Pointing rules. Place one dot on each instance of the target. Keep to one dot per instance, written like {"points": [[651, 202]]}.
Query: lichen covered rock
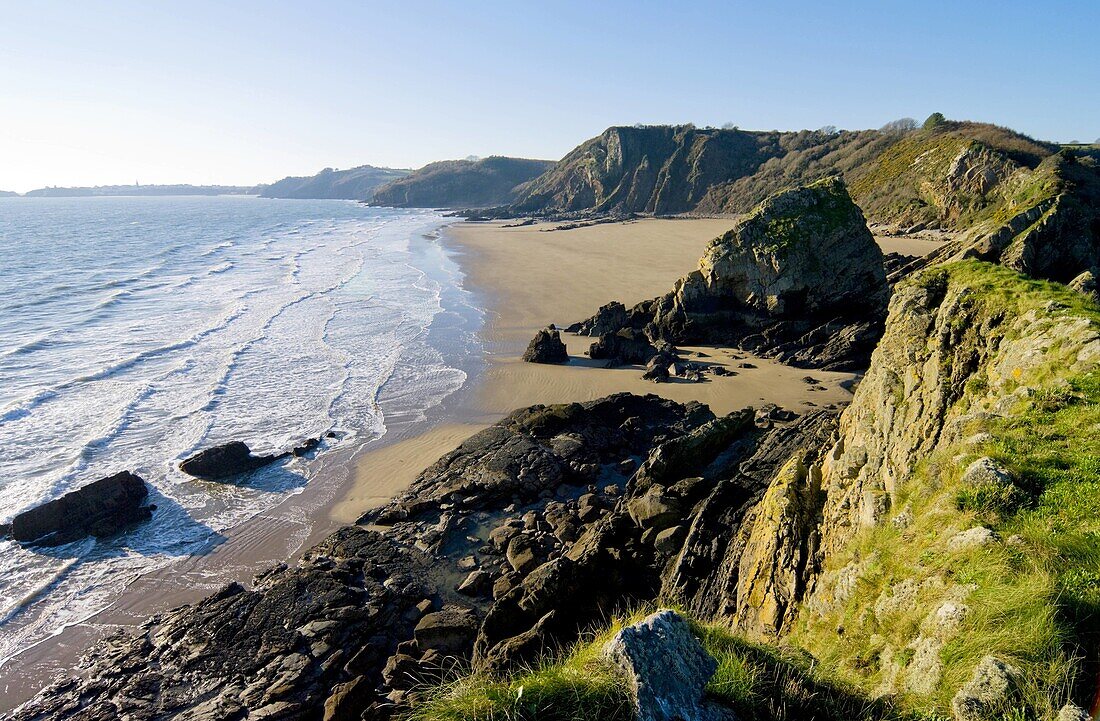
{"points": [[667, 669]]}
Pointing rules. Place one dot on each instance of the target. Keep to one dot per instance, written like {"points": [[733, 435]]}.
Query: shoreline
{"points": [[519, 287], [276, 535]]}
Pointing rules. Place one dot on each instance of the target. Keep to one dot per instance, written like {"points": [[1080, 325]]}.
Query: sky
{"points": [[97, 93]]}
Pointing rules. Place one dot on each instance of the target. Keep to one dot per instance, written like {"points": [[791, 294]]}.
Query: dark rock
{"points": [[523, 553], [478, 583], [668, 541], [655, 508], [609, 318], [546, 347], [101, 508], [224, 461], [306, 447], [449, 630], [627, 346]]}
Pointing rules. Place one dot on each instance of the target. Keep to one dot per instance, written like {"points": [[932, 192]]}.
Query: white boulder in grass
{"points": [[668, 669]]}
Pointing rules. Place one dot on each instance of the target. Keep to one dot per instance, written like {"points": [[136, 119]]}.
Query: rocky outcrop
{"points": [[463, 184], [609, 318], [990, 693], [101, 508], [1047, 225], [950, 331], [803, 254], [225, 461], [300, 639], [964, 345], [800, 279], [1088, 284], [546, 347], [626, 346], [667, 669]]}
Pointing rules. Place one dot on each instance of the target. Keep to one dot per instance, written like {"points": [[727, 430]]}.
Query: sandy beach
{"points": [[524, 278], [528, 277]]}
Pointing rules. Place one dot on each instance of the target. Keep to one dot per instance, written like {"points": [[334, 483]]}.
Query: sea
{"points": [[137, 331]]}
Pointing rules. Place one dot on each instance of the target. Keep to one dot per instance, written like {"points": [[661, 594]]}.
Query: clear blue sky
{"points": [[246, 92]]}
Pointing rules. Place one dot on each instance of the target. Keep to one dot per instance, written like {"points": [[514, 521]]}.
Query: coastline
{"points": [[521, 279], [281, 533]]}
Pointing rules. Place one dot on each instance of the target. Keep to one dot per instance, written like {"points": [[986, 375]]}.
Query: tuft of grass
{"points": [[575, 686]]}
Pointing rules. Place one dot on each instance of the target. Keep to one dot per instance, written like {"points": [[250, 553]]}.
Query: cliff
{"points": [[650, 169], [481, 183], [350, 184], [950, 521]]}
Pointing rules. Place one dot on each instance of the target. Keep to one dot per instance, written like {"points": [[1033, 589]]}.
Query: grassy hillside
{"points": [[462, 183], [351, 184], [920, 607]]}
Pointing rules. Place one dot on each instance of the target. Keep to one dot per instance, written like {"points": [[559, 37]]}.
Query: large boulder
{"points": [[667, 669], [799, 279], [805, 252], [546, 347], [224, 461], [1086, 283], [101, 508]]}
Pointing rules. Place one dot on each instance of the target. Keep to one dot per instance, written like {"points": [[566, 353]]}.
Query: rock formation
{"points": [[225, 461], [800, 279], [667, 668], [546, 347], [535, 504], [101, 508]]}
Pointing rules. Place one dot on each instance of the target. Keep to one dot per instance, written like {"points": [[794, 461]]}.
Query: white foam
{"points": [[268, 327]]}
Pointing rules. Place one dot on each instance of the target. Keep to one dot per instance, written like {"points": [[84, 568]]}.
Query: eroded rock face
{"points": [[546, 347], [101, 508], [667, 668], [958, 351], [939, 338]]}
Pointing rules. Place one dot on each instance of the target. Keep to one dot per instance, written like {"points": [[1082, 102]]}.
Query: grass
{"points": [[575, 686], [756, 681], [1034, 595]]}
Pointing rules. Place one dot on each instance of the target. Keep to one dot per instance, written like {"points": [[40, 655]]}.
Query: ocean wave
{"points": [[23, 408]]}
